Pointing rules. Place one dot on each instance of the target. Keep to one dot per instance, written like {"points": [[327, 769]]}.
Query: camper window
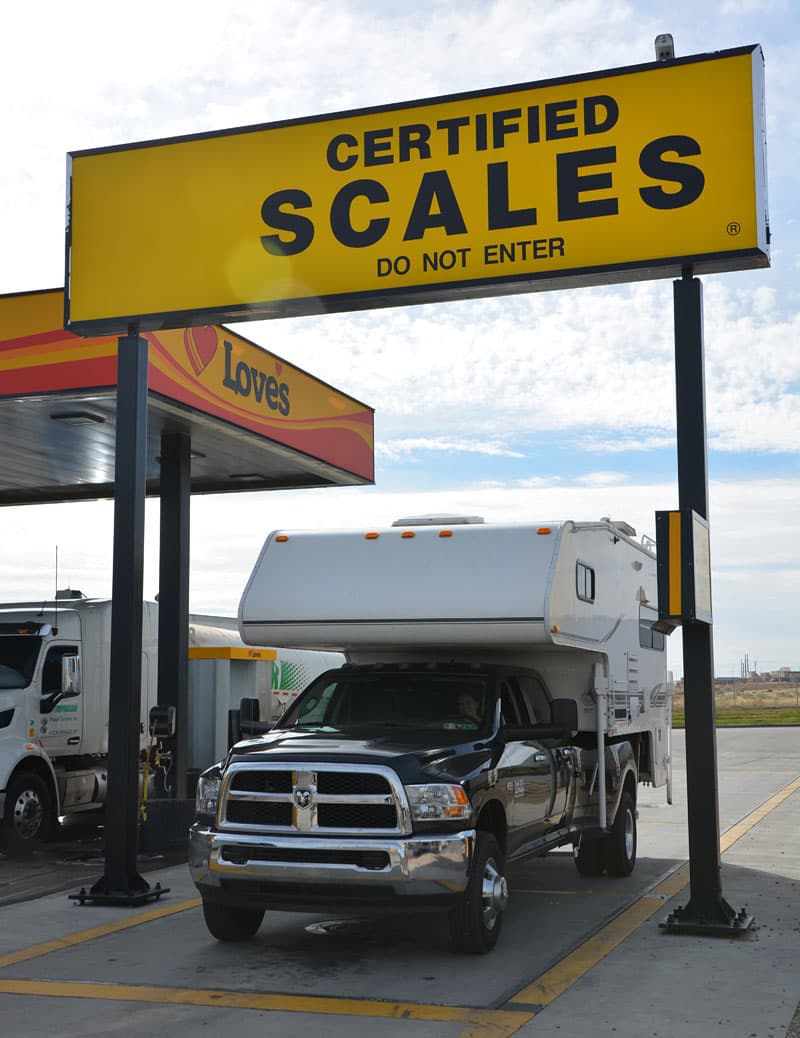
{"points": [[648, 638], [584, 581]]}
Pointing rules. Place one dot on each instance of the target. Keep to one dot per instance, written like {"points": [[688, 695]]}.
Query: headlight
{"points": [[436, 802], [208, 787]]}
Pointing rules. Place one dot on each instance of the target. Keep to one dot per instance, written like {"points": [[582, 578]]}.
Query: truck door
{"points": [[526, 770], [60, 714], [561, 758]]}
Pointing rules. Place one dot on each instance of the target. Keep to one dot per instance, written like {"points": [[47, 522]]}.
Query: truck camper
{"points": [[505, 693]]}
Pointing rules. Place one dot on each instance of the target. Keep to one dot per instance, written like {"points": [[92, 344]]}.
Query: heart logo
{"points": [[201, 345]]}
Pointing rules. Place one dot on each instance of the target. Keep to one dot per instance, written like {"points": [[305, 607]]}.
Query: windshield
{"points": [[399, 699], [18, 655]]}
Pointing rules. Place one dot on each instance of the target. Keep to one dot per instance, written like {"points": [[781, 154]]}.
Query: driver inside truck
{"points": [[469, 707]]}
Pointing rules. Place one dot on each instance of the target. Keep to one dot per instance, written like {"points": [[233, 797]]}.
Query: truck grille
{"points": [[314, 798]]}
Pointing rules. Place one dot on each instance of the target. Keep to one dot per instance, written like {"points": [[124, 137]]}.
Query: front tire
{"points": [[28, 816], [620, 844], [231, 923], [476, 921]]}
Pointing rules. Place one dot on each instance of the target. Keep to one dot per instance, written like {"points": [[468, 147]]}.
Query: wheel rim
{"points": [[28, 813], [628, 835], [494, 892]]}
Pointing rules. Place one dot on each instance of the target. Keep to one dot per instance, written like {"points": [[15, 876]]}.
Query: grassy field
{"points": [[748, 704]]}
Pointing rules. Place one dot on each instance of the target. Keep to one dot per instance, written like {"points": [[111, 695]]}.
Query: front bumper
{"points": [[289, 873]]}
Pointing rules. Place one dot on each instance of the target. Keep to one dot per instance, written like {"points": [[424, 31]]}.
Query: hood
{"points": [[412, 754]]}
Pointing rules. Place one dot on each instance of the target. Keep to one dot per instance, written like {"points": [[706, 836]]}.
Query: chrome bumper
{"points": [[418, 866]]}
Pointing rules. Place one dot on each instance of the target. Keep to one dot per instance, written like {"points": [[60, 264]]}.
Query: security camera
{"points": [[665, 47]]}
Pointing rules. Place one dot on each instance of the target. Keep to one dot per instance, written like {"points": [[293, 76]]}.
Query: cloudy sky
{"points": [[543, 406]]}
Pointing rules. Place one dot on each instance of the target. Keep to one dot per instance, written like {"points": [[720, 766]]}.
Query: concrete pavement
{"points": [[577, 957]]}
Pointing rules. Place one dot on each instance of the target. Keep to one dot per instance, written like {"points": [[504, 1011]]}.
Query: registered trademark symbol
{"points": [[734, 227]]}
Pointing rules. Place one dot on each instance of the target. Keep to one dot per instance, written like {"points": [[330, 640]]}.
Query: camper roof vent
{"points": [[68, 593], [618, 524], [439, 520]]}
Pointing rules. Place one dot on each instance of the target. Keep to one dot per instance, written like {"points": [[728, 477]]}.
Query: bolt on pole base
{"points": [[721, 921], [139, 895]]}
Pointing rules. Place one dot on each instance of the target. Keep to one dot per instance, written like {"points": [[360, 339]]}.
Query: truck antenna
{"points": [[55, 617]]}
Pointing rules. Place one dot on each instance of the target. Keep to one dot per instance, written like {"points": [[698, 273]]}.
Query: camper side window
{"points": [[584, 581], [648, 638]]}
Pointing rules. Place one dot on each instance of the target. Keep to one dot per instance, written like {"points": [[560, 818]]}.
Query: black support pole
{"points": [[173, 598], [707, 911], [121, 882]]}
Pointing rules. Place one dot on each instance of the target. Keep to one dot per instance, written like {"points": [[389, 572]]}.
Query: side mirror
{"points": [[71, 675], [565, 715], [563, 724], [162, 720], [250, 722]]}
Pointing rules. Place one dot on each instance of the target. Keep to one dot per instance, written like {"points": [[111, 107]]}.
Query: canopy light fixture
{"points": [[78, 418], [193, 456]]}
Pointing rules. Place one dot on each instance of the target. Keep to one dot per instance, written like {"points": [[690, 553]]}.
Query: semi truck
{"points": [[505, 693], [54, 697]]}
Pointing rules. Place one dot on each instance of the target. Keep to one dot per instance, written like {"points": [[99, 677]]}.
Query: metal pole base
{"points": [[139, 893], [720, 921]]}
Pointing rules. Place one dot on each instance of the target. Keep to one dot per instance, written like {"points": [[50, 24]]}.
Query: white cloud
{"points": [[602, 479], [577, 362], [621, 444], [402, 448]]}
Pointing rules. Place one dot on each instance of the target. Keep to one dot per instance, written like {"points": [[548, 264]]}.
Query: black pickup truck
{"points": [[391, 785]]}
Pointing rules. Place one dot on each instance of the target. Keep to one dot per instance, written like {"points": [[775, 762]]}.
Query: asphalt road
{"points": [[74, 858]]}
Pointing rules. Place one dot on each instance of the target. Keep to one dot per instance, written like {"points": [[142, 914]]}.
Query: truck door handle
{"points": [[73, 740]]}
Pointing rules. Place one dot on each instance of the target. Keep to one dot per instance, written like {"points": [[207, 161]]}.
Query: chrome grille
{"points": [[311, 798]]}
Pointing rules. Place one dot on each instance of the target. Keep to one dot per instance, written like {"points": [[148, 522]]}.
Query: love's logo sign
{"points": [[201, 345]]}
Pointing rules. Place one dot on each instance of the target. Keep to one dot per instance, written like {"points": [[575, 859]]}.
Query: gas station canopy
{"points": [[255, 422]]}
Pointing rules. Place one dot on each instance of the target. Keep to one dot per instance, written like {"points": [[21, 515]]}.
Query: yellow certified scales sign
{"points": [[614, 176]]}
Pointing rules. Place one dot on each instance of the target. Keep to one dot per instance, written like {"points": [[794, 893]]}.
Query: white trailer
{"points": [[54, 689]]}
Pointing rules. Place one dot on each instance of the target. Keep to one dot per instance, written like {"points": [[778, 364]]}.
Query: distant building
{"points": [[784, 674]]}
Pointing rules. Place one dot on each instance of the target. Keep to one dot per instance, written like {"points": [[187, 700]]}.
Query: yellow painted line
{"points": [[736, 832], [555, 981], [98, 931], [572, 893], [673, 884], [747, 771], [489, 1022]]}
